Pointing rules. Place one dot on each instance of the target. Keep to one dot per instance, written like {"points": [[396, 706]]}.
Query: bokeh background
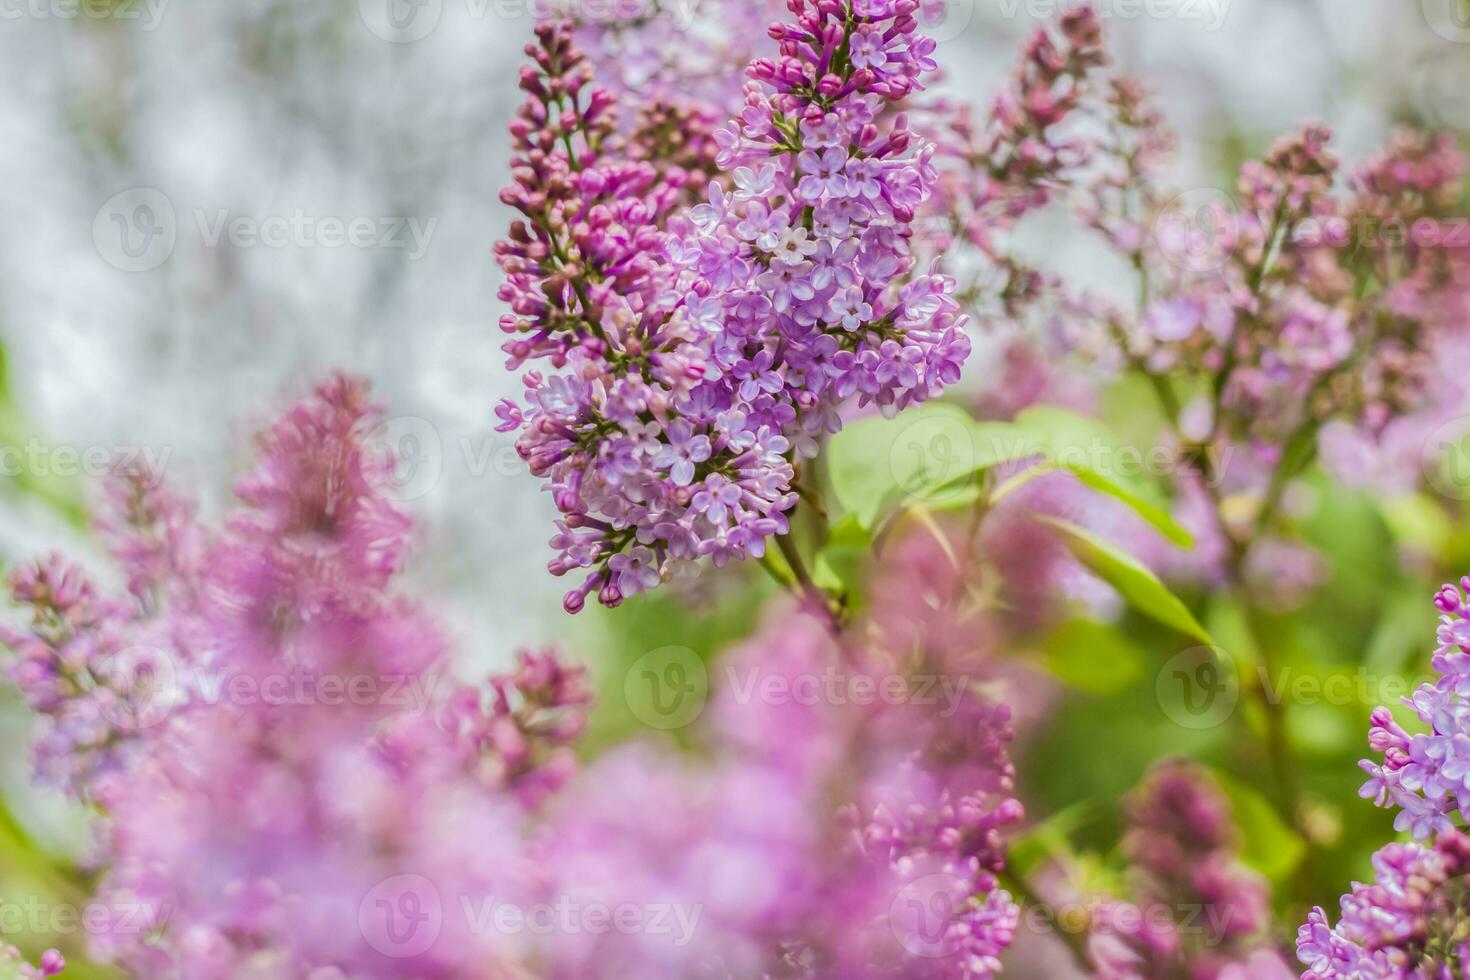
{"points": [[175, 175]]}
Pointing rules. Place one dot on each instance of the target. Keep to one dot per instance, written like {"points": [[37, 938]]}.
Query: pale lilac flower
{"points": [[1407, 924]]}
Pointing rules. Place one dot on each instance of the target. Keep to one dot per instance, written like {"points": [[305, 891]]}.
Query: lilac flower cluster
{"points": [[62, 668], [993, 175], [1424, 775], [256, 830], [1027, 152], [1296, 313], [788, 887], [523, 729], [802, 270], [1183, 849], [1409, 924], [1306, 308], [701, 352], [1411, 921], [252, 825]]}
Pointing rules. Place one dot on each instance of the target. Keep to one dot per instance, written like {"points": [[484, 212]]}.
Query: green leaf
{"points": [[1090, 452], [1152, 513], [838, 566], [1051, 838], [936, 455], [876, 463], [1268, 844], [1131, 578], [1094, 657]]}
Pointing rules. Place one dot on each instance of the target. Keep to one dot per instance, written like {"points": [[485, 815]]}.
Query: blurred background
{"points": [[208, 204], [205, 205]]}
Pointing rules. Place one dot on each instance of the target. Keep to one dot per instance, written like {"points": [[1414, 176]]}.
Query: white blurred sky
{"points": [[267, 108]]}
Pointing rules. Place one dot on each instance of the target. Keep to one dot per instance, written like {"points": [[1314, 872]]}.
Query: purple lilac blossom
{"points": [[1424, 775], [282, 751], [1183, 849], [713, 347], [1408, 924]]}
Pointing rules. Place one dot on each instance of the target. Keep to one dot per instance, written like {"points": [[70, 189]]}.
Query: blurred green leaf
{"points": [[1094, 657], [876, 462], [1091, 453], [839, 565], [1268, 844], [1130, 577], [1049, 839]]}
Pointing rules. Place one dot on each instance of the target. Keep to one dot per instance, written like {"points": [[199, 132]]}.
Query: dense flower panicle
{"points": [[1183, 849], [1025, 154], [802, 270], [522, 729], [700, 352], [71, 665], [1412, 920], [1409, 923], [678, 140], [993, 174], [291, 753], [1310, 307], [1426, 775], [1303, 303], [783, 883], [153, 534], [641, 481]]}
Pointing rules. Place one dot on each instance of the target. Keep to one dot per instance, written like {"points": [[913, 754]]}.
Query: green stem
{"points": [[809, 589], [1278, 742]]}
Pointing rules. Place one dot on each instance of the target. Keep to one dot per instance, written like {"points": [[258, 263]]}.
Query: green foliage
{"points": [[1268, 844], [1130, 577], [1094, 658]]}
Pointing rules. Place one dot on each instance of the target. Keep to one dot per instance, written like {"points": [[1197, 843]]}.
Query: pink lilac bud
{"points": [[14, 964]]}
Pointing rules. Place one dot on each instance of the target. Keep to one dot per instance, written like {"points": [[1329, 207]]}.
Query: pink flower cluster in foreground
{"points": [[289, 782]]}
